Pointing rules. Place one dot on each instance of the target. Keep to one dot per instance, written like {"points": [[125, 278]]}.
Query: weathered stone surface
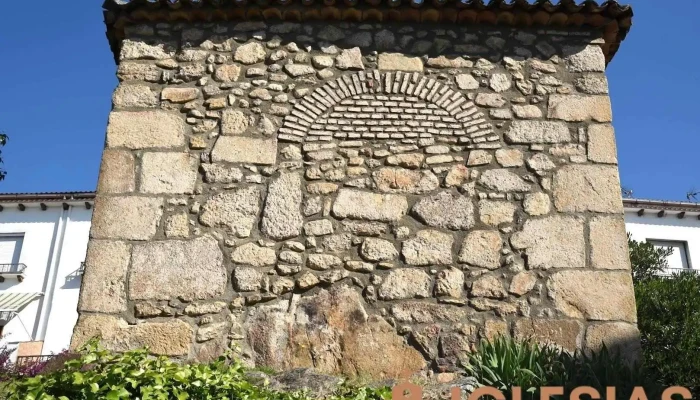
{"points": [[488, 286], [138, 50], [322, 262], [428, 247], [489, 100], [482, 249], [537, 204], [134, 96], [407, 160], [177, 226], [337, 243], [444, 62], [201, 308], [374, 249], [131, 71], [227, 73], [247, 279], [358, 266], [601, 144], [586, 59], [254, 255], [522, 283], [616, 336], [456, 176], [104, 281], [250, 53], [509, 157], [466, 82], [565, 333], [552, 242], [445, 210], [399, 180], [494, 328], [334, 319], [503, 180], [449, 282], [210, 331], [369, 206], [399, 62], [500, 82], [168, 173], [531, 132], [350, 59], [179, 95], [579, 188], [117, 172], [405, 283], [219, 173], [479, 157], [318, 228], [427, 313], [594, 295], [171, 338], [282, 217], [188, 269], [237, 210], [145, 129], [362, 228], [234, 122], [127, 217], [527, 111], [574, 108], [297, 70], [592, 84], [608, 241], [496, 212], [240, 149]]}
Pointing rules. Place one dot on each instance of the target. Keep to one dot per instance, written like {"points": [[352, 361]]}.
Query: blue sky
{"points": [[57, 74]]}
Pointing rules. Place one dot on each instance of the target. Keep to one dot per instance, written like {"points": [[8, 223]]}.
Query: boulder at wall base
{"points": [[332, 333]]}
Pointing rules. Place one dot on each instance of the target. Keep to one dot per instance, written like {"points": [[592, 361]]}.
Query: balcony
{"points": [[24, 361], [12, 271], [670, 272]]}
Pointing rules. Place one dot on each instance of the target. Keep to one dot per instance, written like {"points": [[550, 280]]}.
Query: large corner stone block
{"points": [[538, 132], [601, 144], [239, 149], [126, 217], [608, 243], [582, 58], [615, 336], [192, 270], [117, 172], [565, 333], [170, 338], [168, 173], [594, 295], [575, 108], [145, 130], [104, 282], [581, 188], [552, 242]]}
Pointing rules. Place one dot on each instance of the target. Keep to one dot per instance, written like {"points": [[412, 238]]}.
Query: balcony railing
{"points": [[669, 272], [16, 270], [23, 361]]}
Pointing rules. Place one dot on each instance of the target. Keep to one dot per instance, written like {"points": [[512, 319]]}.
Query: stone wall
{"points": [[360, 198]]}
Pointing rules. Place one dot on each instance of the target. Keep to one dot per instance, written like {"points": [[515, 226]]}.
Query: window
{"points": [[10, 248], [679, 258]]}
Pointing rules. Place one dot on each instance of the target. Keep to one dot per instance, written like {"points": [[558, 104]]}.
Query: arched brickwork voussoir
{"points": [[386, 105]]}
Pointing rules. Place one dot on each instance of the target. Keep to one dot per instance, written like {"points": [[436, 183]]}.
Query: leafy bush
{"points": [[648, 261], [99, 374], [668, 312], [506, 363]]}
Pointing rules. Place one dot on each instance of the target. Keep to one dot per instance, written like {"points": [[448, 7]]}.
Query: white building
{"points": [[44, 236], [667, 224], [43, 240]]}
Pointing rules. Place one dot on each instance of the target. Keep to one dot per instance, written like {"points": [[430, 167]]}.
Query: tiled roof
{"points": [[611, 17], [45, 197]]}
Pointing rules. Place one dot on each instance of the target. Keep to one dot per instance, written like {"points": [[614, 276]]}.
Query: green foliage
{"points": [[3, 142], [668, 312], [506, 363], [100, 374], [647, 260]]}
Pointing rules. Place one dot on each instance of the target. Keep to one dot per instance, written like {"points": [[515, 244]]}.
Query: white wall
{"points": [[55, 242], [669, 228]]}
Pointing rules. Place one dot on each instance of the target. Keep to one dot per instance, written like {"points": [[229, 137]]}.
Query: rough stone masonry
{"points": [[361, 198]]}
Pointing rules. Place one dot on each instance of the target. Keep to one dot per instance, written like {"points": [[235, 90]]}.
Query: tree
{"points": [[3, 141], [648, 261]]}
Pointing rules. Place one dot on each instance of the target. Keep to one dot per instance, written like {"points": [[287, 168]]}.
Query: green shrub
{"points": [[100, 374], [668, 312], [648, 261], [506, 363]]}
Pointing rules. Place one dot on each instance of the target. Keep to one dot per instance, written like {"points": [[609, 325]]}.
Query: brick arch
{"points": [[439, 110]]}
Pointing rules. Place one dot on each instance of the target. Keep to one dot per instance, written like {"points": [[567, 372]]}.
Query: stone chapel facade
{"points": [[365, 187]]}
